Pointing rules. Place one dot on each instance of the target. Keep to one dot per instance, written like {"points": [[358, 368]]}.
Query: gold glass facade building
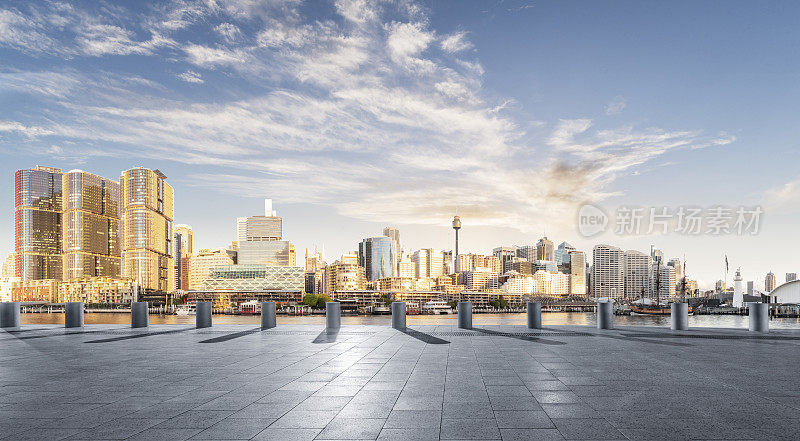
{"points": [[37, 223], [147, 214], [90, 226]]}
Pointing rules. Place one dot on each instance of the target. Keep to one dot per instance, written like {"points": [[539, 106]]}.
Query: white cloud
{"points": [[210, 57], [229, 32], [30, 131], [191, 76], [456, 42], [616, 105]]}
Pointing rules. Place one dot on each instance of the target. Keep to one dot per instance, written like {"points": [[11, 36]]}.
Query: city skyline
{"points": [[240, 103]]}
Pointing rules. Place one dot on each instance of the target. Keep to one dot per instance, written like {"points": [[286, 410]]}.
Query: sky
{"points": [[355, 115]]}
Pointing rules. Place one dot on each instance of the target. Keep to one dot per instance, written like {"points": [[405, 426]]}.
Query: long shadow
{"points": [[643, 340], [54, 334], [519, 337], [421, 336], [327, 336], [719, 336], [227, 337], [141, 335]]}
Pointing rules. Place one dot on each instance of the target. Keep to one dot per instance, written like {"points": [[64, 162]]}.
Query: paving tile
{"points": [[462, 429], [165, 434], [410, 419], [304, 419], [409, 435], [352, 428], [531, 435], [278, 434], [587, 428], [195, 419], [523, 419], [240, 428]]}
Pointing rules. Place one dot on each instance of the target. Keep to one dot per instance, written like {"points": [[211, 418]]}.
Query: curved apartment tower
{"points": [[37, 223], [90, 226], [147, 214]]}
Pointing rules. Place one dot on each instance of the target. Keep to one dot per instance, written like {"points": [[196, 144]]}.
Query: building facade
{"points": [[377, 255], [200, 265], [769, 282], [608, 279], [37, 223], [183, 247], [545, 250], [637, 267], [270, 253], [577, 273]]}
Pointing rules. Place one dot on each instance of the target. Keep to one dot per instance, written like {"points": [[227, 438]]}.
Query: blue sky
{"points": [[354, 115]]}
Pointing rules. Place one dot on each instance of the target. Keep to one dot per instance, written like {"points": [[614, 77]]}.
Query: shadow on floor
{"points": [[519, 337], [644, 340], [327, 336], [139, 335], [421, 336], [227, 337]]}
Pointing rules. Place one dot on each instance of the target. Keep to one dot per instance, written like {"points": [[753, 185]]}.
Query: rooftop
{"points": [[374, 382]]}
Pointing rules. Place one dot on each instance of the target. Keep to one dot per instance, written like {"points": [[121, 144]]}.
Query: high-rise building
{"points": [[37, 223], [720, 286], [577, 273], [637, 267], [545, 250], [10, 265], [260, 228], [676, 263], [406, 269], [790, 277], [200, 265], [561, 254], [267, 252], [506, 256], [769, 282], [314, 261], [183, 245], [608, 277], [662, 282], [90, 226], [344, 275], [377, 255], [751, 289], [147, 213], [527, 252], [428, 263]]}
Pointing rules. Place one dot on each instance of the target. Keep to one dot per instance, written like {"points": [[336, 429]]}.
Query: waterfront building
{"points": [[577, 273], [550, 284], [90, 226], [39, 290], [395, 284], [377, 255], [97, 290], [637, 268], [545, 250], [37, 223], [769, 282], [183, 247], [480, 279], [518, 285], [146, 229], [608, 277], [428, 263], [230, 285], [345, 275], [270, 253], [200, 265], [506, 256], [268, 227], [10, 266], [665, 285], [7, 283]]}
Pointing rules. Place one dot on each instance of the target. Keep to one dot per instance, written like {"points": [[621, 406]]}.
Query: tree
{"points": [[322, 300], [310, 300]]}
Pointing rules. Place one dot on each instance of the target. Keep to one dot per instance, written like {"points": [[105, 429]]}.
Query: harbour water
{"points": [[548, 319]]}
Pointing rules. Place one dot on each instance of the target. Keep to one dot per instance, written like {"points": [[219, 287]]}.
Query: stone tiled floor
{"points": [[369, 382]]}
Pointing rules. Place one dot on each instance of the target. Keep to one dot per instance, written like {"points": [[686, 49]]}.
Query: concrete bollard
{"points": [[399, 315], [268, 315], [679, 314], [73, 315], [605, 315], [140, 315], [534, 315], [203, 317], [9, 316], [333, 315], [759, 317], [465, 315]]}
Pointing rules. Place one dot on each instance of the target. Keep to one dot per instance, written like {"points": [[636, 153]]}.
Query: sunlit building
{"points": [[90, 226], [183, 247], [200, 265], [545, 249], [37, 223], [577, 273], [506, 256], [608, 272], [270, 253], [428, 263], [377, 255], [406, 268], [97, 290], [147, 213], [345, 275], [637, 267], [260, 228], [769, 282]]}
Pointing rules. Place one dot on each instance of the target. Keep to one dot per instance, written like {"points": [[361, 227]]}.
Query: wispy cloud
{"points": [[616, 105], [191, 76], [456, 42]]}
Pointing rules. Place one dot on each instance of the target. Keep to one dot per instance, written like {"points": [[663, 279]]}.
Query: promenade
{"points": [[297, 382]]}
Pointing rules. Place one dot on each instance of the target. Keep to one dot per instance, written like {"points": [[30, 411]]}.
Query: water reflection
{"points": [[548, 319]]}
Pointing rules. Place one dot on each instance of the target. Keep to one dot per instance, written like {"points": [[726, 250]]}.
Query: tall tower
{"points": [[37, 223], [456, 226], [738, 298]]}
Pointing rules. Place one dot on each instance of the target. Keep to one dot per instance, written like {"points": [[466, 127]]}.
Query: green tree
{"points": [[310, 300], [322, 300]]}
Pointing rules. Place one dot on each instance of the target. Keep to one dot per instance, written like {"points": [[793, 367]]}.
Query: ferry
{"points": [[436, 307], [188, 309]]}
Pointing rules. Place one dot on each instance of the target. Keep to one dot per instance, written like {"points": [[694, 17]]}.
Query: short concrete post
{"points": [[9, 316], [605, 315], [679, 313], [759, 317], [268, 315], [140, 315], [73, 315], [203, 317], [534, 315], [399, 315], [333, 315], [465, 315]]}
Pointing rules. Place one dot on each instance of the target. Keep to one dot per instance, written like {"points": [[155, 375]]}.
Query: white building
{"points": [[608, 278], [637, 267]]}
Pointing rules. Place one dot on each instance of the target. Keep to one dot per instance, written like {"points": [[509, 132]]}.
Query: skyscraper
{"points": [[147, 213], [260, 228], [37, 223], [377, 255], [790, 277], [607, 272], [182, 248], [266, 252], [90, 226], [545, 250], [428, 263], [506, 256], [577, 273], [769, 282], [637, 269], [394, 233], [561, 254]]}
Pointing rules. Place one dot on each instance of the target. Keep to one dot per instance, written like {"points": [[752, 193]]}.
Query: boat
{"points": [[250, 307], [381, 310], [436, 307], [654, 309], [188, 309]]}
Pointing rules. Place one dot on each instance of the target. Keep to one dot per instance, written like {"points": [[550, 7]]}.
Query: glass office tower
{"points": [[37, 223], [147, 214], [90, 226], [377, 256]]}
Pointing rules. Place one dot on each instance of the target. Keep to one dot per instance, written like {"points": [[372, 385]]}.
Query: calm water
{"points": [[548, 318]]}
